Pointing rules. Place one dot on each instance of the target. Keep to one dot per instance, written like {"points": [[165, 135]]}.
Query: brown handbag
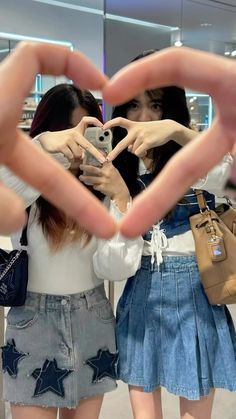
{"points": [[214, 233]]}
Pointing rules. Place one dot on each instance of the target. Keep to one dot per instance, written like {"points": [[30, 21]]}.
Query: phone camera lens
{"points": [[101, 138], [106, 133]]}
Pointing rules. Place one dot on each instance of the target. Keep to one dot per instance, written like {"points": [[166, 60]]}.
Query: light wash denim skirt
{"points": [[60, 349], [169, 335]]}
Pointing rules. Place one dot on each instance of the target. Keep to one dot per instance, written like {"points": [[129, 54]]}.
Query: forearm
{"points": [[122, 200], [183, 135], [17, 185]]}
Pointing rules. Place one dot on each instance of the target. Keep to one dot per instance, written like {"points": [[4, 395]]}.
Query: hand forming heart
{"points": [[195, 69]]}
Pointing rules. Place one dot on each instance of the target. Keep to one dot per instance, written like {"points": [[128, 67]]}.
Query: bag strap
{"points": [[24, 239], [201, 200]]}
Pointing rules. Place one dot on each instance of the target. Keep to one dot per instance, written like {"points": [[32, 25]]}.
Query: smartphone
{"points": [[101, 139]]}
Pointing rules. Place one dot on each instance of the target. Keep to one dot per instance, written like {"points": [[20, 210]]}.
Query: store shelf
{"points": [[24, 127], [26, 108]]}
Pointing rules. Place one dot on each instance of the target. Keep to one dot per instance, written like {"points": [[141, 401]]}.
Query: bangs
{"points": [[155, 94]]}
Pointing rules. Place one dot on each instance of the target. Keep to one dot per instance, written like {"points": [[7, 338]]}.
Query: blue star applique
{"points": [[50, 378], [10, 358], [103, 365]]}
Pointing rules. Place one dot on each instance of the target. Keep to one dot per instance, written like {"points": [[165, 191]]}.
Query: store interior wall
{"points": [[124, 41], [29, 18]]}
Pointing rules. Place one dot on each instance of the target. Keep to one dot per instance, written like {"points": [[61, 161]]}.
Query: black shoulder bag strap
{"points": [[24, 239]]}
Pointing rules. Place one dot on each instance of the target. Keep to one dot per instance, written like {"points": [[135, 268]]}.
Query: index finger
{"points": [[122, 145], [82, 140], [118, 122], [90, 148]]}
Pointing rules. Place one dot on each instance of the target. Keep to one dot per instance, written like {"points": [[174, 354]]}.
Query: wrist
{"points": [[122, 199], [177, 133], [183, 135]]}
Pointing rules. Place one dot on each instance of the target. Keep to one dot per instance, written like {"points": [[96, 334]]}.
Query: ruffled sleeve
{"points": [[215, 180], [118, 258]]}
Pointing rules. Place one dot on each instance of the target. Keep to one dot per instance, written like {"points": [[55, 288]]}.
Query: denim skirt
{"points": [[169, 335], [60, 349]]}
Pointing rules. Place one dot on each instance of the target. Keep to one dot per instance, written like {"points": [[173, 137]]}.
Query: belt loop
{"points": [[88, 300], [42, 302]]}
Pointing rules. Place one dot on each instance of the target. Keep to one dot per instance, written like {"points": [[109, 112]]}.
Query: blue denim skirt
{"points": [[60, 349], [169, 335]]}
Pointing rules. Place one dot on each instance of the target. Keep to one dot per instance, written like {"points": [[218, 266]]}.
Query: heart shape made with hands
{"points": [[175, 67]]}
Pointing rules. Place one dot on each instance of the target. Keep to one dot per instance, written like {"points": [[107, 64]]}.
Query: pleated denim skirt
{"points": [[169, 335]]}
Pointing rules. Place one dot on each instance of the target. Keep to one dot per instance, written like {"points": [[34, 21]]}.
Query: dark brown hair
{"points": [[174, 106], [54, 113]]}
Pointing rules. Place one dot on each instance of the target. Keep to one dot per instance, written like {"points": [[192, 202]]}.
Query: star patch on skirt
{"points": [[10, 358], [50, 378], [104, 364]]}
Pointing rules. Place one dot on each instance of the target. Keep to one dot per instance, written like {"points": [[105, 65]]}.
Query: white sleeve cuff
{"points": [[59, 157]]}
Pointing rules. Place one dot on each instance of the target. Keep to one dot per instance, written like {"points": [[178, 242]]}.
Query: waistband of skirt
{"points": [[71, 301], [170, 263]]}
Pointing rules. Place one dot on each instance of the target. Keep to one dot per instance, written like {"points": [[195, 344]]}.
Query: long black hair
{"points": [[174, 107], [54, 113]]}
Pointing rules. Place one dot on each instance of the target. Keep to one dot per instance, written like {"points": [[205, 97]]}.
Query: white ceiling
{"points": [[188, 14], [205, 24]]}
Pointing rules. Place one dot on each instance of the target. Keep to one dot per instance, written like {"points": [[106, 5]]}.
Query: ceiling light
{"points": [[178, 43], [16, 37]]}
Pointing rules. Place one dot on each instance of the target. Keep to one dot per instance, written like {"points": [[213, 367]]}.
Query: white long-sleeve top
{"points": [[73, 268]]}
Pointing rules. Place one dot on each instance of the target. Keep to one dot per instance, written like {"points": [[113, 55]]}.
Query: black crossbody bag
{"points": [[14, 273]]}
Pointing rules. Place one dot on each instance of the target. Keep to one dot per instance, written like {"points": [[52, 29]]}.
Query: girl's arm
{"points": [[107, 179], [21, 188], [143, 136], [118, 258]]}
